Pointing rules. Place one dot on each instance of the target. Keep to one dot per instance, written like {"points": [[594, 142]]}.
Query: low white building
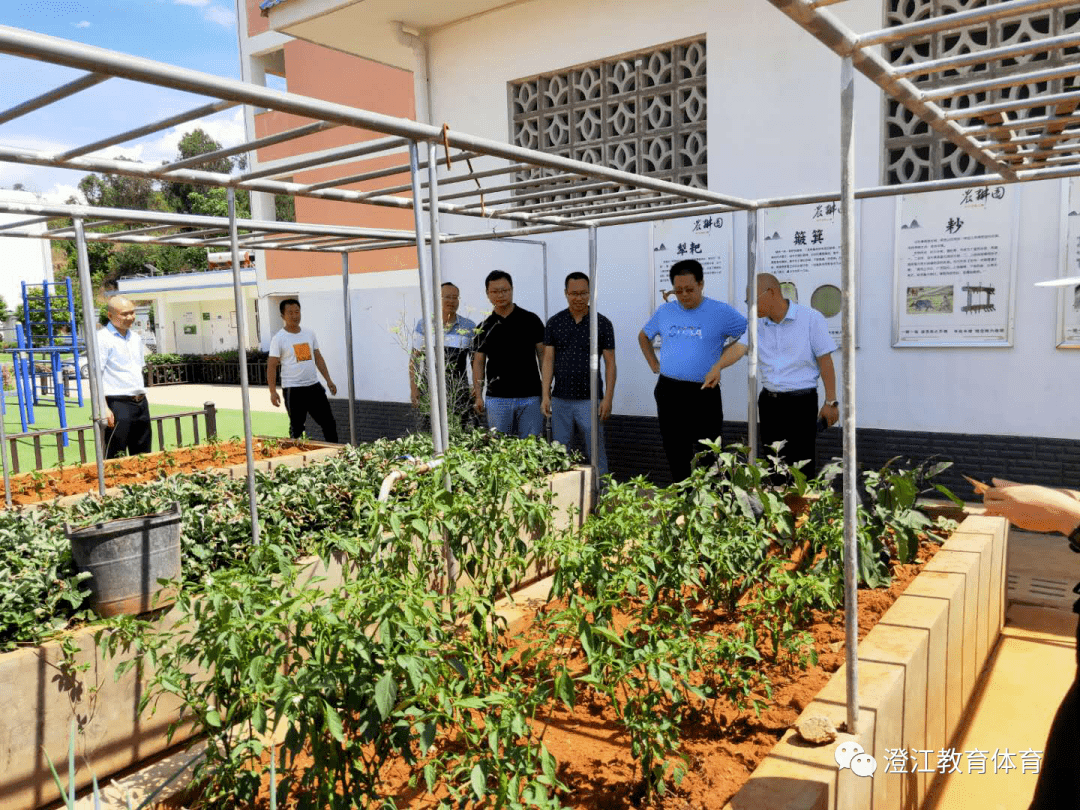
{"points": [[22, 259], [195, 313]]}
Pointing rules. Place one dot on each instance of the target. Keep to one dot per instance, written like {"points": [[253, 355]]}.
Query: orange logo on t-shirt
{"points": [[303, 351]]}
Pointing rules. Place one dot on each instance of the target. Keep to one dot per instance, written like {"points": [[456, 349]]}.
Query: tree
{"points": [[214, 202], [60, 316], [134, 260], [120, 191], [194, 143], [285, 208], [5, 312]]}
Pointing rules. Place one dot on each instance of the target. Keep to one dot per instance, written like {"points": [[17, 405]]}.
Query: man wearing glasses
{"points": [[566, 357], [699, 338], [507, 351]]}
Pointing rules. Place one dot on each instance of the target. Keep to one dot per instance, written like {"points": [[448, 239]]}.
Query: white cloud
{"points": [[82, 24], [226, 129], [220, 15], [62, 192]]}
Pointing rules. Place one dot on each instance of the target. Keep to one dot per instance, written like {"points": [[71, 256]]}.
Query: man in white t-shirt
{"points": [[296, 352]]}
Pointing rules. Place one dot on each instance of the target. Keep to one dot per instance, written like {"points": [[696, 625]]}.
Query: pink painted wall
{"points": [[257, 23], [334, 76]]}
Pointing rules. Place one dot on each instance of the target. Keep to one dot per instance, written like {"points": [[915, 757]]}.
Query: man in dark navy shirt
{"points": [[507, 352], [566, 356]]}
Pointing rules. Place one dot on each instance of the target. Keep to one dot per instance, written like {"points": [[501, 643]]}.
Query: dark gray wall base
{"points": [[634, 447]]}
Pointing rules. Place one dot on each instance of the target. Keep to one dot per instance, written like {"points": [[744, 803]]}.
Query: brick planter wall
{"points": [[917, 671]]}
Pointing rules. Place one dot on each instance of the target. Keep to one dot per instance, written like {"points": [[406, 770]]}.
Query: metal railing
{"points": [[209, 372], [83, 436]]}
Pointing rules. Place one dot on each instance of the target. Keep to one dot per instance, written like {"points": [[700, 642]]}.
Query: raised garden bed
{"points": [[673, 619], [918, 669], [723, 745], [70, 677], [73, 480]]}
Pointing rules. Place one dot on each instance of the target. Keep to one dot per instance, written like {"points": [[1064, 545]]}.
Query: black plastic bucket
{"points": [[126, 558]]}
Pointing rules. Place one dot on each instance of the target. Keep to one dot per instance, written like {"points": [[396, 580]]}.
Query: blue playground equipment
{"points": [[52, 341]]}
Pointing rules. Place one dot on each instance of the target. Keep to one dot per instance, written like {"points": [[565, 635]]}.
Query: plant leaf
{"points": [[479, 782], [385, 695]]}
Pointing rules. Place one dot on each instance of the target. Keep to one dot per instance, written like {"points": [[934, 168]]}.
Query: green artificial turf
{"points": [[229, 423]]}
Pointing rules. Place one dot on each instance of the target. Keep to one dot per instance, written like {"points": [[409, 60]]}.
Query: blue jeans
{"points": [[570, 422], [519, 417]]}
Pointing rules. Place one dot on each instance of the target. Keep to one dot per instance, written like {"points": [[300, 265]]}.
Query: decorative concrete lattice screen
{"points": [[912, 151], [642, 112]]}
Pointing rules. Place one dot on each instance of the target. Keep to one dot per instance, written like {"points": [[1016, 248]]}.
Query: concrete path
{"points": [[1026, 678], [223, 396]]}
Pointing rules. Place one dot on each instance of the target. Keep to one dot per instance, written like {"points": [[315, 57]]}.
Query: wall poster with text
{"points": [[800, 245], [955, 270], [706, 238], [1068, 320]]}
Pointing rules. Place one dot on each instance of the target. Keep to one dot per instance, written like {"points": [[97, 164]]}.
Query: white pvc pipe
{"points": [[851, 472], [97, 399]]}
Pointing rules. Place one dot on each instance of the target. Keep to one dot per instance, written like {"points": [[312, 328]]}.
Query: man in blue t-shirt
{"points": [[699, 338]]}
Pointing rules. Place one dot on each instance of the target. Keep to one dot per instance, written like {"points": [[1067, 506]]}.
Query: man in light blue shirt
{"points": [[794, 349], [120, 356], [699, 338], [458, 333]]}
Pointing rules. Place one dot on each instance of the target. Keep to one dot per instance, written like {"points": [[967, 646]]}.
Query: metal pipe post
{"points": [[440, 388], [349, 346], [425, 298], [97, 399], [752, 333], [3, 456], [594, 367], [851, 473], [241, 346]]}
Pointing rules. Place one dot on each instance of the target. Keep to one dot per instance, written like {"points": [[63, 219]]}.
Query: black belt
{"points": [[765, 392], [127, 397]]}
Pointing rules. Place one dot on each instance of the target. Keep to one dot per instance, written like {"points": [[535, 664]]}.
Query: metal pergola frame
{"points": [[529, 192]]}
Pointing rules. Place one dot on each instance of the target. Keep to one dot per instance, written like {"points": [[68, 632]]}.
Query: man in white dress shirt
{"points": [[120, 356], [794, 349]]}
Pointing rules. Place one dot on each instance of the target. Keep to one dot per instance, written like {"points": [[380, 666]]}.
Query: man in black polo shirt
{"points": [[566, 355], [507, 351]]}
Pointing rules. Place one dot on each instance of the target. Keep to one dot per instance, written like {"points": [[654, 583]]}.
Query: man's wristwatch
{"points": [[832, 403]]}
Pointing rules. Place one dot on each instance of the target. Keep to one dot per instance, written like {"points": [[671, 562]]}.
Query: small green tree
{"points": [[61, 318], [5, 312], [213, 202], [194, 143]]}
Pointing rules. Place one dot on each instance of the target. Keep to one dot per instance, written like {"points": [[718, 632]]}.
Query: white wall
{"points": [[773, 130], [22, 259], [773, 90]]}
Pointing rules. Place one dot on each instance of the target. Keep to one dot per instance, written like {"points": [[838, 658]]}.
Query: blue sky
{"points": [[197, 34]]}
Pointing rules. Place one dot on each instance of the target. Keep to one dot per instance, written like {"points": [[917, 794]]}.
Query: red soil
{"points": [[723, 746], [45, 485]]}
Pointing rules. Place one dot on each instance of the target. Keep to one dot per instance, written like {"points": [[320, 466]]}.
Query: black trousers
{"points": [[687, 414], [1058, 787], [131, 431], [790, 418], [309, 399]]}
